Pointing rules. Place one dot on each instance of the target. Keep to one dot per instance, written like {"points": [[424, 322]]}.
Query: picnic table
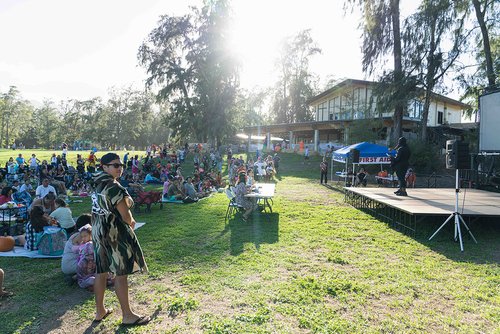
{"points": [[264, 192], [342, 176]]}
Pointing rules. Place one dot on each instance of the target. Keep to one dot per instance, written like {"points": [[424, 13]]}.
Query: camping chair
{"points": [[232, 207], [361, 180], [147, 198]]}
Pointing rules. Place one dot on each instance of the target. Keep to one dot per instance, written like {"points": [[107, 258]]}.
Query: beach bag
{"points": [[51, 241]]}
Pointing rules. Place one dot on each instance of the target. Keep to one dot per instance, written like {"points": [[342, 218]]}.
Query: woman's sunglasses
{"points": [[117, 165]]}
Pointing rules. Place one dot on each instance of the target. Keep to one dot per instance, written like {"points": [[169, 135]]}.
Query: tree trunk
{"points": [[398, 71], [432, 65], [486, 43], [7, 133], [1, 129]]}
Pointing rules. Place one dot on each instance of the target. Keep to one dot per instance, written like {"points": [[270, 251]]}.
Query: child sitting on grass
{"points": [[86, 268], [69, 260]]}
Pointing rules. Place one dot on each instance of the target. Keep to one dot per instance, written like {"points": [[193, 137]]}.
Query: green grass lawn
{"points": [[47, 154], [314, 265]]}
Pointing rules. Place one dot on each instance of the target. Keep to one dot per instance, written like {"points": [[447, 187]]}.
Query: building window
{"points": [[357, 104], [321, 112], [336, 108], [415, 108], [440, 117], [330, 109], [346, 105]]}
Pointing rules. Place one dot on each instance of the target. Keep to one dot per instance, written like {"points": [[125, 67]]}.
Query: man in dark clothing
{"points": [[323, 166], [400, 164]]}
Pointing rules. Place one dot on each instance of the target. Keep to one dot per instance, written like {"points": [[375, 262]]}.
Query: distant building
{"points": [[352, 100]]}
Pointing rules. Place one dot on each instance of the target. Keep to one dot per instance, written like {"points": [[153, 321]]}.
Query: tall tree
{"points": [[481, 20], [46, 120], [188, 58], [427, 33], [15, 115], [381, 36], [296, 83], [484, 47]]}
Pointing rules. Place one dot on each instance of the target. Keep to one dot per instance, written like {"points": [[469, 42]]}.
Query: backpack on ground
{"points": [[51, 241]]}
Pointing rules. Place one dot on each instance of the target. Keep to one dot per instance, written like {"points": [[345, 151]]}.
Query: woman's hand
{"points": [[123, 209]]}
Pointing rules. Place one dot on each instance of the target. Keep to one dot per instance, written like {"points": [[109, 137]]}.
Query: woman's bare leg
{"points": [[99, 289], [121, 290]]}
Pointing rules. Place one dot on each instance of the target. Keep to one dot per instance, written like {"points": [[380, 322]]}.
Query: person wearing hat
{"points": [[116, 247], [400, 164]]}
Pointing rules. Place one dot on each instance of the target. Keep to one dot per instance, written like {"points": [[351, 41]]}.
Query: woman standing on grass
{"points": [[116, 247]]}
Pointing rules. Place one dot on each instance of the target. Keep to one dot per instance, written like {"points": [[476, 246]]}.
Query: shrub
{"points": [[426, 158]]}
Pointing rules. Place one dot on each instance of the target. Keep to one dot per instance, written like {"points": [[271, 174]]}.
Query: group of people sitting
{"points": [[190, 189], [263, 169], [49, 210]]}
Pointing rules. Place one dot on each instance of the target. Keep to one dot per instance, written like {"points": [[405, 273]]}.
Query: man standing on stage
{"points": [[400, 164]]}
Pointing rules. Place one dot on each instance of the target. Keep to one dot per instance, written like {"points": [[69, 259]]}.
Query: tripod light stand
{"points": [[457, 219]]}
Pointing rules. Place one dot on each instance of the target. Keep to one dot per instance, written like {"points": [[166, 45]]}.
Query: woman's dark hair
{"points": [[60, 202], [6, 190], [38, 219], [83, 220], [108, 157], [50, 196], [242, 178]]}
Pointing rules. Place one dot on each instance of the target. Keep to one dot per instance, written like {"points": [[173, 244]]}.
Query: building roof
{"points": [[350, 82]]}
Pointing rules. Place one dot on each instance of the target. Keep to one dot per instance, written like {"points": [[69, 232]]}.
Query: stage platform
{"points": [[406, 211]]}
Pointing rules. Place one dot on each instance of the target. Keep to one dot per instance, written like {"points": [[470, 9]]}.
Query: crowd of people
{"points": [[42, 191], [101, 248]]}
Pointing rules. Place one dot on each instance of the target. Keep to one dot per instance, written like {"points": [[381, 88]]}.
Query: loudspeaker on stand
{"points": [[457, 154]]}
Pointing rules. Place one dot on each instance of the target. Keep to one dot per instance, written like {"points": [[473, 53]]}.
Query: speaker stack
{"points": [[457, 155], [355, 156]]}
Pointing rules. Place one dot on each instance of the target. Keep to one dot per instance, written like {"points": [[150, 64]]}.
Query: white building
{"points": [[352, 100]]}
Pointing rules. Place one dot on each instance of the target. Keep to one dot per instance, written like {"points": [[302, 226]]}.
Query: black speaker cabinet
{"points": [[355, 156], [457, 155]]}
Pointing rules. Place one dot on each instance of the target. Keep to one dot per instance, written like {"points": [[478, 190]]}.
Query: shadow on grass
{"points": [[486, 232], [260, 229], [334, 188], [34, 295]]}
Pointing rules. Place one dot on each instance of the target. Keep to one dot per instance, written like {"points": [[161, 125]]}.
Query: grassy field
{"points": [[315, 265], [47, 154]]}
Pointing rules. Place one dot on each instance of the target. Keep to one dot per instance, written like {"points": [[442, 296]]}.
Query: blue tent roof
{"points": [[369, 153]]}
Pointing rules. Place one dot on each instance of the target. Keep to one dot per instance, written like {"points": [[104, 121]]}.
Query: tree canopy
{"points": [[188, 60]]}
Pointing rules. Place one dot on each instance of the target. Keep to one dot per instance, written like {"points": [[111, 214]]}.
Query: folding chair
{"points": [[232, 207]]}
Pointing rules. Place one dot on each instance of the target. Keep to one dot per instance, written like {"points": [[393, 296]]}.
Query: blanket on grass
{"points": [[21, 252], [167, 200]]}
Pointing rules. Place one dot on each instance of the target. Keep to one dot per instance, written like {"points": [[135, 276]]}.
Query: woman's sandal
{"points": [[141, 321]]}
